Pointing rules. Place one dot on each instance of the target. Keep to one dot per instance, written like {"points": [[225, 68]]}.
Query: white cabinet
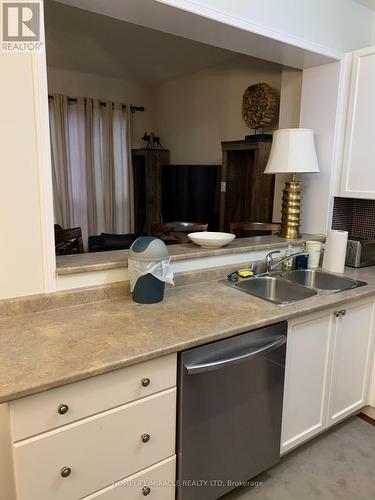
{"points": [[358, 172], [306, 378], [51, 409], [352, 355], [327, 372], [116, 431], [98, 450]]}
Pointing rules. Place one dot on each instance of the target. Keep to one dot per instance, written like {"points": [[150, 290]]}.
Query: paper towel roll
{"points": [[335, 251]]}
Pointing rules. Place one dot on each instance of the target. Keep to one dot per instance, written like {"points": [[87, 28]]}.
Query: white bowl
{"points": [[207, 239]]}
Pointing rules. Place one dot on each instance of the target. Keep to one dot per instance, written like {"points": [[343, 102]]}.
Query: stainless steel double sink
{"points": [[293, 286]]}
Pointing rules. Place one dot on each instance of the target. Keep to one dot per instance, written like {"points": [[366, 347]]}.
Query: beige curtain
{"points": [[60, 159], [91, 162]]}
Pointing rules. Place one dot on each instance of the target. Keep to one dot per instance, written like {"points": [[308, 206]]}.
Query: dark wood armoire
{"points": [[147, 179], [246, 192]]}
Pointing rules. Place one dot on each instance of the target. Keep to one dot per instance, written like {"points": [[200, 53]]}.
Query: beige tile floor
{"points": [[338, 465]]}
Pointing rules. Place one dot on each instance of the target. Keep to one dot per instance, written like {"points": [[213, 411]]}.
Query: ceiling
{"points": [[367, 3], [84, 41]]}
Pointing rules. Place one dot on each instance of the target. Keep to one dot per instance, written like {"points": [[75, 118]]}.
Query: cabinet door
{"points": [[358, 177], [306, 378], [352, 357]]}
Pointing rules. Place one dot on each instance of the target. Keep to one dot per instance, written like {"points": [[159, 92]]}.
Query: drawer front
{"points": [[44, 411], [98, 451], [160, 479]]}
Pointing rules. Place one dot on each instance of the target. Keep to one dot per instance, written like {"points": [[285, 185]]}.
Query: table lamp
{"points": [[292, 152]]}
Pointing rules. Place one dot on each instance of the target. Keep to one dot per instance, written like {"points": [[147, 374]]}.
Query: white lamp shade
{"points": [[293, 151]]}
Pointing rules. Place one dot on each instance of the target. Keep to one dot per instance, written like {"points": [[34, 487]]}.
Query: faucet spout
{"points": [[270, 265]]}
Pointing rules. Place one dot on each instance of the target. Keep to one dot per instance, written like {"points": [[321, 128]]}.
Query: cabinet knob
{"points": [[343, 312], [337, 314], [66, 471], [145, 382], [146, 491], [145, 438], [62, 409]]}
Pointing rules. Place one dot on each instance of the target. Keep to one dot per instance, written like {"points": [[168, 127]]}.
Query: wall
{"points": [[193, 114], [21, 248], [340, 24], [373, 30], [290, 106], [73, 83]]}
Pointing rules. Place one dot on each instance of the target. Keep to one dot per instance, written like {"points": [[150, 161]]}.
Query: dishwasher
{"points": [[229, 411]]}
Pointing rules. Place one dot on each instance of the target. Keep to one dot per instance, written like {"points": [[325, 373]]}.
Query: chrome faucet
{"points": [[270, 265]]}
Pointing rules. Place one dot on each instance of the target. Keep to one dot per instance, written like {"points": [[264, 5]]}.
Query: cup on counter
{"points": [[314, 249]]}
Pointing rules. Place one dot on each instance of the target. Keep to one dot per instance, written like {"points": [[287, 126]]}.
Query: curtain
{"points": [[91, 165]]}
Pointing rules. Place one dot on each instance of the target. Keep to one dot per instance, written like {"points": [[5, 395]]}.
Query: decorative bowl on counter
{"points": [[207, 239]]}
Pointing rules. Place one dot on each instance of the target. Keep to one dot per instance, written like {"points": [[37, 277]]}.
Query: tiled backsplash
{"points": [[355, 216]]}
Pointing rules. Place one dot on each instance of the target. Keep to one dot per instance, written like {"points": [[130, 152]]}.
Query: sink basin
{"points": [[292, 286], [320, 280], [275, 289]]}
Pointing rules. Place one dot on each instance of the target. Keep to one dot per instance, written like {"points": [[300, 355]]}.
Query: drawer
{"points": [[160, 478], [98, 450], [39, 413]]}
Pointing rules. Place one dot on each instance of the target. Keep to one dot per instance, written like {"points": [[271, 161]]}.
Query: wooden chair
{"points": [[246, 229], [68, 241], [176, 232]]}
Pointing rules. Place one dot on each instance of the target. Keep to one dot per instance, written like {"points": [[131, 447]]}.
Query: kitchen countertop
{"points": [[47, 349], [99, 261]]}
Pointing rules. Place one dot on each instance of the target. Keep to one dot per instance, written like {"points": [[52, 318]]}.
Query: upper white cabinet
{"points": [[358, 172]]}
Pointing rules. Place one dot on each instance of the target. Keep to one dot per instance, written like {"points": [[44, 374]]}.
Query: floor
{"points": [[339, 465]]}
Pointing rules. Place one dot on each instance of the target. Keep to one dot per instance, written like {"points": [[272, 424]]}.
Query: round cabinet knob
{"points": [[146, 491], [337, 313], [343, 312], [66, 471], [145, 382], [145, 438], [62, 409]]}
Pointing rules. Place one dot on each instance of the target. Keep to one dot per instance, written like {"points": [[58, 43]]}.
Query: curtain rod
{"points": [[133, 109]]}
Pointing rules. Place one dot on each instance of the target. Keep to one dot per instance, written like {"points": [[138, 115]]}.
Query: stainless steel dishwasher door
{"points": [[230, 406]]}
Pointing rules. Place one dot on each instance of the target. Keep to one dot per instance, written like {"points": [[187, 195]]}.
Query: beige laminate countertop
{"points": [[46, 349], [99, 261]]}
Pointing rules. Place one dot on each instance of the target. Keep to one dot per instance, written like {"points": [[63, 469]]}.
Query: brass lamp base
{"points": [[291, 210]]}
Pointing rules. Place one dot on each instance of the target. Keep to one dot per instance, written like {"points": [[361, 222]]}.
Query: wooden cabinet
{"points": [[328, 362], [358, 172], [147, 179], [247, 193]]}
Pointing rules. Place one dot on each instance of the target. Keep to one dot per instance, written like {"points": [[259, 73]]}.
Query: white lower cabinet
{"points": [[328, 362], [118, 439], [97, 451], [306, 378], [352, 356]]}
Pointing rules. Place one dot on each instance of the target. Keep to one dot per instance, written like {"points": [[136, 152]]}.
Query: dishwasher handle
{"points": [[192, 368]]}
